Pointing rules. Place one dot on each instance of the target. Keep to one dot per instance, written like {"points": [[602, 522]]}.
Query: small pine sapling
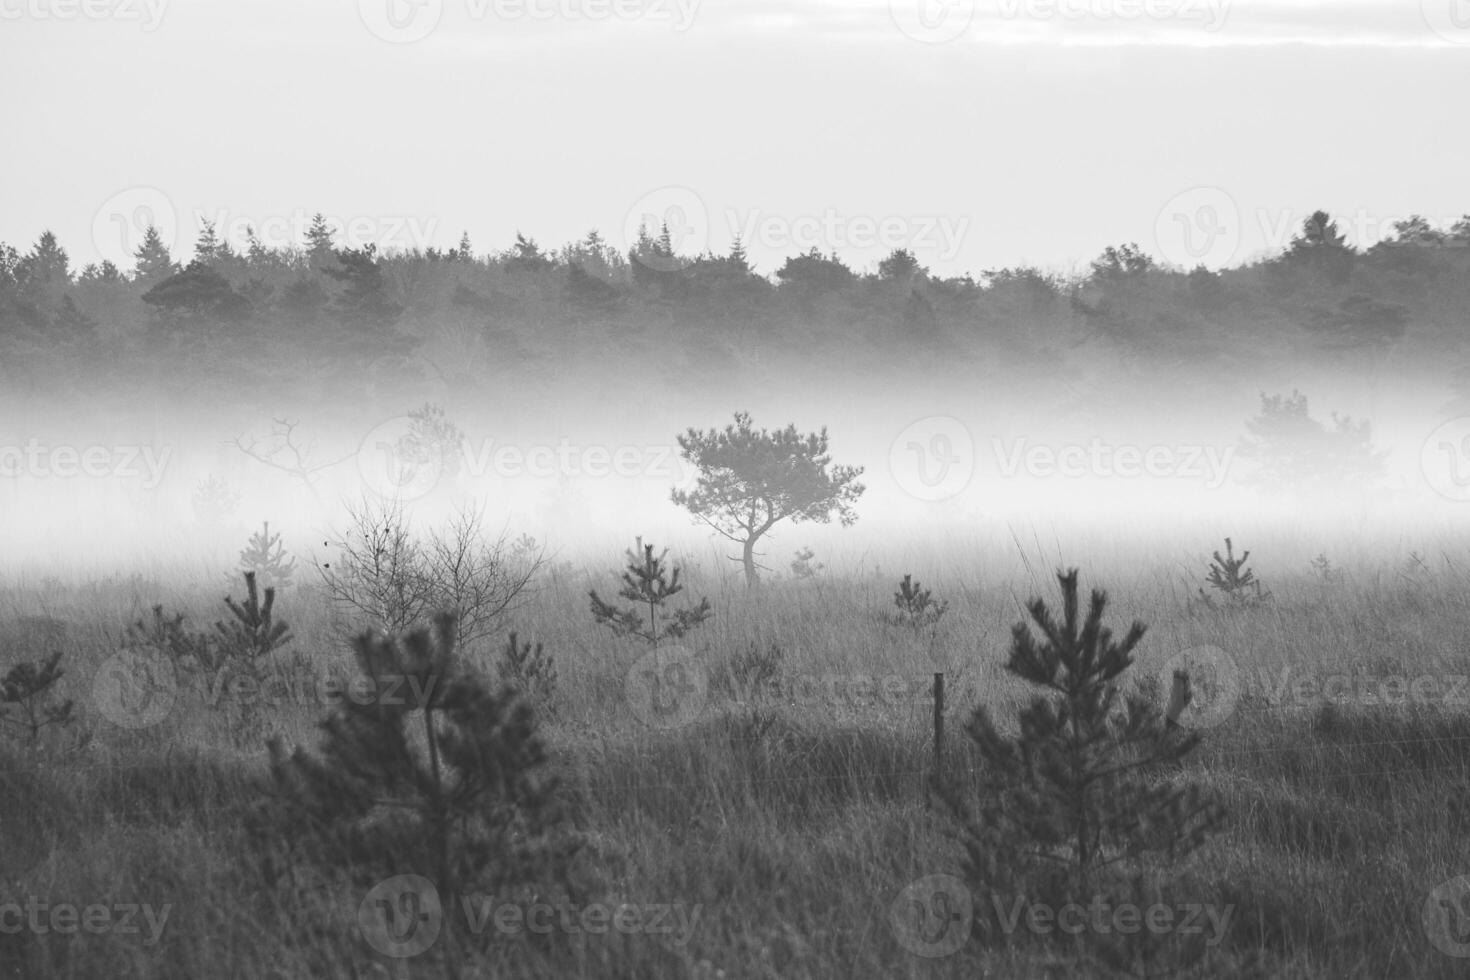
{"points": [[190, 650], [530, 671], [1230, 577], [802, 566], [444, 779], [1326, 572], [647, 582], [242, 646], [30, 686], [267, 558], [254, 633], [213, 501], [756, 672], [917, 607], [1070, 808]]}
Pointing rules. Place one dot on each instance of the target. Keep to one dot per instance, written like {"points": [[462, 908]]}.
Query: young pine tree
{"points": [[1075, 804], [648, 583], [434, 776]]}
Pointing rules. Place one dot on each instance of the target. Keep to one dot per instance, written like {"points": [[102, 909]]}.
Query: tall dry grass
{"points": [[794, 823]]}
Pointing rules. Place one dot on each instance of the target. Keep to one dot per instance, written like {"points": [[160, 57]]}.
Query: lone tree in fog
{"points": [[1297, 454], [751, 480]]}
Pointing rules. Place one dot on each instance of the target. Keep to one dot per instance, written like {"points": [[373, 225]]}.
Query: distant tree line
{"points": [[263, 319]]}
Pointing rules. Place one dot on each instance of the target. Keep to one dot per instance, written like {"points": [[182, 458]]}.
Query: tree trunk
{"points": [[748, 557]]}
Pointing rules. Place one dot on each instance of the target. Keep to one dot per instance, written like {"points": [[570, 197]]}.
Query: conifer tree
{"points": [[648, 583], [1073, 806], [750, 481], [436, 776], [319, 247], [207, 245], [738, 256], [153, 261]]}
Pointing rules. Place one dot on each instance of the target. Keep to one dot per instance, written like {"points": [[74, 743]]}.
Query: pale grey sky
{"points": [[979, 134]]}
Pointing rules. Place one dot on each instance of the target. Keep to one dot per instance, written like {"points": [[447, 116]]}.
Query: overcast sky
{"points": [[980, 134]]}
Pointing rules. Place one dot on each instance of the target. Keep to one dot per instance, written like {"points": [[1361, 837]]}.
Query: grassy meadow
{"points": [[786, 829]]}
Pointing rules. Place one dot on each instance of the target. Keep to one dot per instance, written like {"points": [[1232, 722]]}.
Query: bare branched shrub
{"points": [[378, 576], [386, 578]]}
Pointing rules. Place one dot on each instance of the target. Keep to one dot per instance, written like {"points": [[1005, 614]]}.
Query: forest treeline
{"points": [[260, 321]]}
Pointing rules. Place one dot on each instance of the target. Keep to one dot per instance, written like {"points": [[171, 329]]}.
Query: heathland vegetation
{"points": [[760, 798]]}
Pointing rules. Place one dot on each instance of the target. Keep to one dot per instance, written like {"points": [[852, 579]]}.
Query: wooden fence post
{"points": [[938, 724]]}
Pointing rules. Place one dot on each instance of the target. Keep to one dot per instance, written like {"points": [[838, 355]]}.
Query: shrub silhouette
{"points": [[647, 583], [1070, 807], [435, 775]]}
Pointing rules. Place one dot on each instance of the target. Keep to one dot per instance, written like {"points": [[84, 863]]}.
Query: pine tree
{"points": [[1230, 577], [525, 255], [1074, 806], [29, 687], [153, 261], [256, 252], [207, 245], [364, 303], [319, 247], [104, 274], [738, 258], [750, 481], [1321, 248], [47, 263], [266, 558], [72, 322], [445, 779], [648, 583], [900, 266]]}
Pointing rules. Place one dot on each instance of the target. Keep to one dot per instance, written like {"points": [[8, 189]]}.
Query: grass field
{"points": [[790, 834]]}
